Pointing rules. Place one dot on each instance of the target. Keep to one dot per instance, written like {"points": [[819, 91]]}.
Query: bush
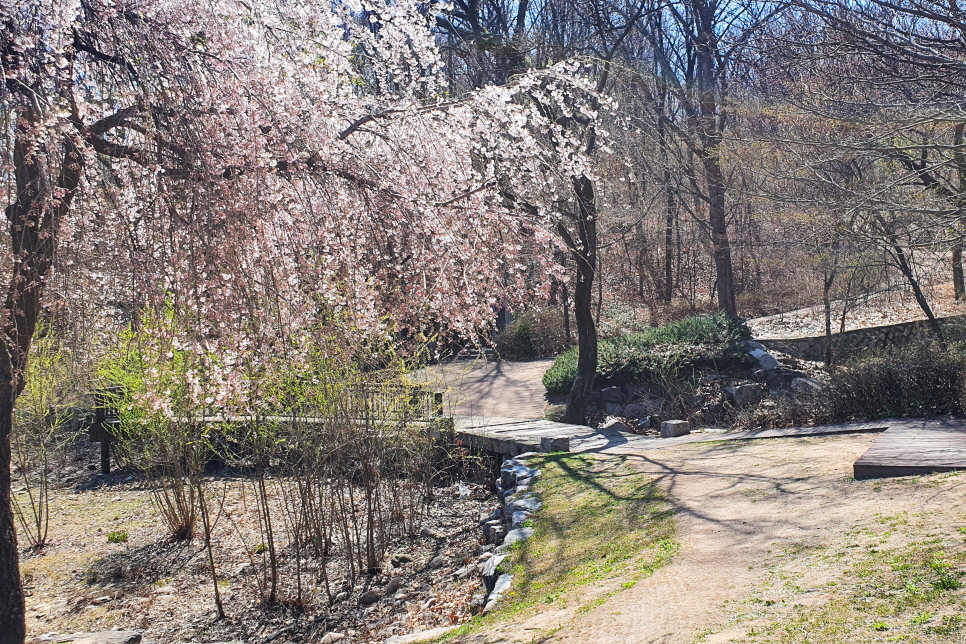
{"points": [[916, 380], [672, 351], [535, 334]]}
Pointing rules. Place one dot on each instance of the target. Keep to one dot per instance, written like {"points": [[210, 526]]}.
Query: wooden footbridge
{"points": [[905, 446]]}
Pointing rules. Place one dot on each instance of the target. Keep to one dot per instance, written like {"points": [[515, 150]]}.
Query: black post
{"points": [[106, 456]]}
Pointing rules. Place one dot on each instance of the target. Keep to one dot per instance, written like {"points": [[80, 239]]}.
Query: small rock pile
{"points": [[506, 525]]}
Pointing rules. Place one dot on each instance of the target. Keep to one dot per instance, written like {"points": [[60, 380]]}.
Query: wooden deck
{"points": [[914, 447], [513, 436], [906, 447]]}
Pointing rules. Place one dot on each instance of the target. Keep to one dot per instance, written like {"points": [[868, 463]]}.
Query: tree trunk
{"points": [[906, 269], [959, 288], [717, 218], [13, 626], [32, 217], [566, 314], [585, 255], [827, 304]]}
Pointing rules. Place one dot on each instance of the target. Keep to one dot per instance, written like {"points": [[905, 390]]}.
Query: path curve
{"points": [[740, 505]]}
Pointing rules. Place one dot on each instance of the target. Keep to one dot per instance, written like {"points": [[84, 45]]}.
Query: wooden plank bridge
{"points": [[905, 446]]}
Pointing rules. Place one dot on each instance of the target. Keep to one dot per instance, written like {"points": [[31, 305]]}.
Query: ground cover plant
{"points": [[568, 564], [886, 587], [670, 352]]}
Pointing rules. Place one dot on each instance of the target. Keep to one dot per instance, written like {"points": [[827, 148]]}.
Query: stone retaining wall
{"points": [[853, 342]]}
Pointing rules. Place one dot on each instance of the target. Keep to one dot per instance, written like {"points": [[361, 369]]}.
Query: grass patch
{"points": [[604, 524], [672, 351], [913, 593]]}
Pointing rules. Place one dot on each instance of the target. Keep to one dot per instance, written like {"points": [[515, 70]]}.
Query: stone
{"points": [[400, 559], [393, 585], [672, 428], [780, 379], [243, 569], [465, 571], [502, 585], [765, 359], [435, 562], [751, 345], [489, 572], [489, 515], [509, 475], [428, 532], [331, 638], [614, 408], [549, 444], [369, 597], [493, 531], [513, 536], [744, 395], [340, 597], [612, 395], [806, 386], [615, 424], [517, 518], [421, 636], [530, 503], [103, 637]]}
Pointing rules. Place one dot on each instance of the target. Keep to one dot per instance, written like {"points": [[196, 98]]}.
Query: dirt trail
{"points": [[505, 389], [740, 506]]}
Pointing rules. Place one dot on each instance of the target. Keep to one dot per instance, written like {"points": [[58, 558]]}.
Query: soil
{"points": [[489, 388], [879, 310], [82, 582], [743, 507]]}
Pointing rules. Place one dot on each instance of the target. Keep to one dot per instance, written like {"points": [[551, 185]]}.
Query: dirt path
{"points": [[475, 388], [741, 507]]}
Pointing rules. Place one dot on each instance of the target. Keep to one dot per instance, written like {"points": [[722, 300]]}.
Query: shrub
{"points": [[117, 537], [672, 351], [535, 334], [918, 380]]}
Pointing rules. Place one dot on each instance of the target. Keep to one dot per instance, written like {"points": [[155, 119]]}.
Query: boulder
{"points": [[806, 386], [513, 536], [765, 359], [393, 586], [615, 424], [517, 519], [489, 572], [501, 586], [612, 395], [751, 345], [530, 503], [614, 408], [744, 395], [780, 379], [435, 562], [672, 428]]}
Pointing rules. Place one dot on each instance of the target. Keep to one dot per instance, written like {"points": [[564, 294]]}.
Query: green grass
{"points": [[117, 537], [604, 526], [672, 351], [913, 593]]}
